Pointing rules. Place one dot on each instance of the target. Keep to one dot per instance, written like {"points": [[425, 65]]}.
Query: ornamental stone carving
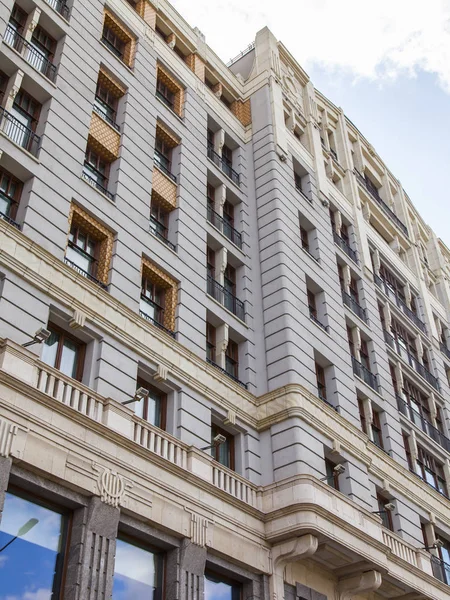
{"points": [[112, 486]]}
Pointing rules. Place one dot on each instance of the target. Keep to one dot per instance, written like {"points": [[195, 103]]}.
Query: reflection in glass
{"points": [[137, 573], [218, 589], [50, 349], [31, 566]]}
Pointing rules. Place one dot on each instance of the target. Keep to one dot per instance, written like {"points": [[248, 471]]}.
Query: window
{"points": [[158, 220], [385, 515], [304, 238], [18, 19], [228, 219], [377, 435], [211, 262], [217, 586], [232, 359], [210, 196], [407, 451], [332, 476], [431, 471], [34, 559], [152, 301], [321, 386], [350, 341], [312, 305], [223, 453], [229, 284], [64, 352], [96, 169], [113, 42], [153, 408], [138, 571], [417, 403], [82, 251], [105, 102], [10, 190], [165, 94], [210, 343], [362, 415], [210, 138], [25, 111], [354, 293], [163, 155], [405, 341], [393, 284], [364, 355], [43, 43], [227, 156]]}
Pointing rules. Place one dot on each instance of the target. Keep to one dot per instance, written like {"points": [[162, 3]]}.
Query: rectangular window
{"points": [[33, 538], [82, 251], [10, 190], [377, 435], [64, 352], [158, 220], [362, 415], [96, 169], [220, 587], [351, 345], [211, 262], [312, 305], [304, 238], [165, 94], [386, 516], [223, 453], [153, 408], [210, 343], [364, 355], [152, 301], [332, 477], [227, 156], [163, 155], [407, 451], [321, 386], [354, 293], [113, 42], [138, 571], [106, 102], [431, 471], [232, 359]]}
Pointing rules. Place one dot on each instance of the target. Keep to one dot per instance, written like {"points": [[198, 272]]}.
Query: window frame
{"points": [[321, 381], [146, 284], [13, 199], [216, 430], [140, 382], [92, 257], [81, 350], [232, 356], [211, 342]]}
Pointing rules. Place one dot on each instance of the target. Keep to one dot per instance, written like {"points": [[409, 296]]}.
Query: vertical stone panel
{"points": [[5, 469]]}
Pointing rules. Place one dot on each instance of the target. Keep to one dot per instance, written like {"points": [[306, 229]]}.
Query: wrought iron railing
{"points": [[9, 220], [441, 569], [363, 373], [381, 283], [18, 133], [313, 317], [226, 298], [411, 360], [85, 273], [163, 165], [373, 191], [164, 100], [223, 165], [223, 226], [225, 372], [103, 113], [425, 425], [95, 183], [33, 56], [343, 245], [354, 306], [155, 228], [61, 7], [159, 315]]}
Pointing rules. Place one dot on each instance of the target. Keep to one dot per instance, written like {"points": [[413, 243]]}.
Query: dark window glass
{"points": [[10, 189], [165, 94], [227, 156], [321, 386], [138, 572], [224, 453], [211, 262], [152, 301], [34, 557], [312, 304], [362, 415], [304, 238], [64, 352], [153, 408], [376, 430], [113, 42], [407, 451], [158, 220], [106, 102], [218, 587], [386, 515], [232, 359], [210, 342]]}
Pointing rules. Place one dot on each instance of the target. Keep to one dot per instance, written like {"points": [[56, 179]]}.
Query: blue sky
{"points": [[387, 64]]}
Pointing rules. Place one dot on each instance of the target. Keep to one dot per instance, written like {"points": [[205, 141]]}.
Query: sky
{"points": [[386, 63]]}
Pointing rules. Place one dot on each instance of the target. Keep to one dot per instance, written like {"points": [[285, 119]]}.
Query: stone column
{"points": [[186, 572], [91, 555], [221, 344]]}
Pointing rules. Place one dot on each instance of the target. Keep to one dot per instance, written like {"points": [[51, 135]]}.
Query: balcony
{"points": [[226, 298], [224, 227], [441, 569], [343, 245], [225, 372], [84, 273], [354, 306], [61, 7], [96, 179], [363, 373], [153, 313], [32, 55], [381, 283], [425, 425], [19, 133], [373, 191], [411, 360], [223, 165]]}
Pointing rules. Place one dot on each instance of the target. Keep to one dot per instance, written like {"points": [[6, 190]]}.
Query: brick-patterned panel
{"points": [[147, 12], [165, 189], [104, 139], [123, 33], [196, 65], [243, 111]]}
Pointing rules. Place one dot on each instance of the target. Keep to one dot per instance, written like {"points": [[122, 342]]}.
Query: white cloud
{"points": [[369, 39]]}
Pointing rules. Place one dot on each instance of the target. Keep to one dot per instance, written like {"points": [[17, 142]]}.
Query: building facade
{"points": [[224, 327]]}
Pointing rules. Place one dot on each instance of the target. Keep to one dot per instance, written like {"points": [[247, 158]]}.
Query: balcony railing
{"points": [[343, 245], [158, 313], [92, 180], [102, 110], [224, 227], [313, 317], [373, 191], [61, 7], [164, 165], [444, 349], [169, 103], [223, 165], [381, 283], [441, 569], [225, 372], [85, 274], [9, 220], [19, 133], [354, 306], [363, 373], [411, 360], [160, 232], [33, 56], [425, 425], [226, 298]]}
